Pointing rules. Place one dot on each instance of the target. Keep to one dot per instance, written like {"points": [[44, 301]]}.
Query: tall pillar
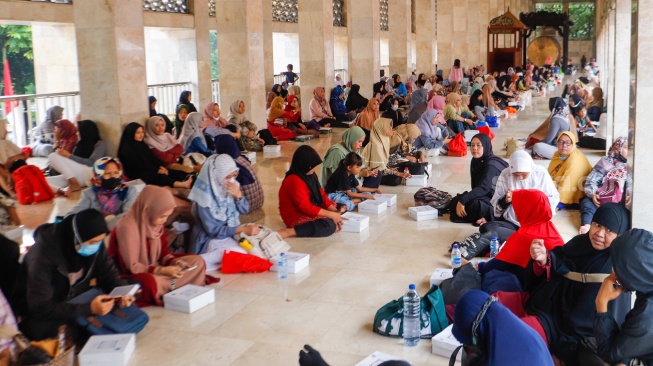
{"points": [[400, 37], [201, 76], [111, 58], [609, 67], [240, 55], [445, 35], [642, 210], [315, 48], [364, 43], [425, 36], [53, 74], [268, 45], [622, 68]]}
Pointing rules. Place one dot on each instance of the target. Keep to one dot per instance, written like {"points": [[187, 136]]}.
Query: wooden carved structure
{"points": [[559, 21], [505, 42]]}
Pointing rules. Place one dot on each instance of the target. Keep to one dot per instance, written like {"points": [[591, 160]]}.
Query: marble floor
{"points": [[258, 319]]}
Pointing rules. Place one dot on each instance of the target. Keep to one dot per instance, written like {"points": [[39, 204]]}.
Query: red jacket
{"points": [[295, 204], [171, 156]]}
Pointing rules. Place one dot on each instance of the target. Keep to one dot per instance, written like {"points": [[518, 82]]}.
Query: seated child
{"points": [[248, 138], [583, 121], [343, 187]]}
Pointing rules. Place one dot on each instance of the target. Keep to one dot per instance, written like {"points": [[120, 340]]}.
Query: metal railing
{"points": [[28, 110], [171, 6], [279, 79], [215, 90], [167, 95]]}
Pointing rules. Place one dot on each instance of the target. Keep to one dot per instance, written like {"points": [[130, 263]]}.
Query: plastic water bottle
{"points": [[412, 328], [456, 258], [494, 247], [282, 271]]}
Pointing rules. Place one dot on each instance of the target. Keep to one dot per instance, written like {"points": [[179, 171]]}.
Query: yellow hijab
{"points": [[569, 173], [276, 109], [376, 153]]}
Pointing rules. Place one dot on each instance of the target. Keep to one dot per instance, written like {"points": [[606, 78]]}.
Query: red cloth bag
{"points": [[458, 146], [234, 262], [486, 130]]}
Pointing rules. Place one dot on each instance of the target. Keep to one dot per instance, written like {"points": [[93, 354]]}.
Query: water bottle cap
{"points": [[282, 254], [495, 238], [455, 246], [411, 287]]}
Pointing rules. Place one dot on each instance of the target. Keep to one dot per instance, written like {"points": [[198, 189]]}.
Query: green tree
{"points": [[16, 46], [582, 14], [214, 55]]}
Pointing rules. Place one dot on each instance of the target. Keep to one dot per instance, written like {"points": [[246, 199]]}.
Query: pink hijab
{"points": [[209, 120], [438, 102]]}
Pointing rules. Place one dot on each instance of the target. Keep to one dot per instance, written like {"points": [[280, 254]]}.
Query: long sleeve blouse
{"points": [[319, 112], [295, 204], [99, 150], [208, 227], [170, 156], [485, 188], [595, 180]]}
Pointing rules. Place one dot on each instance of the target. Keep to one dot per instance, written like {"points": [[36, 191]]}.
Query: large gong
{"points": [[541, 48]]}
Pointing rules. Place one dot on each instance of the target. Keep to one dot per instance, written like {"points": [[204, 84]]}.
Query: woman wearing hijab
{"points": [[384, 97], [320, 111], [533, 211], [304, 206], [489, 102], [595, 106], [419, 96], [560, 304], [180, 118], [485, 168], [247, 178], [367, 117], [139, 246], [632, 261], [185, 99], [376, 154], [355, 101], [559, 123], [394, 114], [152, 103], [521, 173], [65, 135], [401, 144], [458, 117], [477, 106], [218, 203], [43, 134], [568, 168], [139, 162], [272, 94], [338, 107], [192, 139], [438, 102], [107, 194], [352, 141], [76, 168], [236, 114], [163, 145], [612, 171], [399, 87], [575, 103], [487, 328], [212, 116], [66, 260], [433, 134]]}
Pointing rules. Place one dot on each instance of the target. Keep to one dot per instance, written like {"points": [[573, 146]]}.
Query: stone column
{"points": [[622, 68], [425, 37], [445, 35], [399, 21], [315, 48], [240, 55], [111, 59], [609, 68], [268, 45], [55, 58], [642, 210], [201, 76], [364, 43]]}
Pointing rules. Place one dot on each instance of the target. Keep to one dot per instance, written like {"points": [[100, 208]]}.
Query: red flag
{"points": [[9, 89]]}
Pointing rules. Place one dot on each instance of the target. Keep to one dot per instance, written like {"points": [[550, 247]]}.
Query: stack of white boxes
{"points": [[444, 343], [250, 155], [421, 213], [296, 262], [108, 350], [355, 223], [189, 299], [390, 199]]}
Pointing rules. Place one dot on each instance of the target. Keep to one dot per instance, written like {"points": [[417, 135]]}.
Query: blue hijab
{"points": [[425, 125], [227, 144], [337, 105], [505, 339]]}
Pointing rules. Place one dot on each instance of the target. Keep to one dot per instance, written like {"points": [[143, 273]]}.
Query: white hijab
{"points": [[192, 129], [210, 189]]}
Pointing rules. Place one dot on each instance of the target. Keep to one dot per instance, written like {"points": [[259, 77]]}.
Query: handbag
{"points": [[492, 121], [612, 188], [413, 168], [130, 319], [391, 180], [458, 146], [431, 196], [388, 320], [464, 279], [266, 244], [475, 245]]}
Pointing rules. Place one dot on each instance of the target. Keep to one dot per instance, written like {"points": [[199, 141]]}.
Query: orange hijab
{"points": [[367, 117]]}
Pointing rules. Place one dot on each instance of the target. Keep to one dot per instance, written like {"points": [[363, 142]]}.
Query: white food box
{"points": [[251, 155], [373, 207], [469, 134], [296, 262], [108, 350], [440, 275], [444, 343], [391, 199], [271, 148], [377, 358], [12, 232], [138, 184], [189, 299], [417, 181], [429, 168], [325, 130], [421, 213], [355, 223], [348, 123]]}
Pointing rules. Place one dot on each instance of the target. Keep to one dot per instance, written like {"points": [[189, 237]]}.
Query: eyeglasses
{"points": [[565, 144]]}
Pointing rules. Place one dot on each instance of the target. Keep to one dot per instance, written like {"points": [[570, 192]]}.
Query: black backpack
{"points": [[430, 196]]}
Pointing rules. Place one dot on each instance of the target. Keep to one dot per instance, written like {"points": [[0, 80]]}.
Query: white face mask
{"points": [[232, 180], [395, 107]]}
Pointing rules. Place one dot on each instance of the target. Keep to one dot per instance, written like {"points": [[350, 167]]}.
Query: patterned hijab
{"points": [[210, 189], [68, 138], [163, 142], [108, 198]]}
